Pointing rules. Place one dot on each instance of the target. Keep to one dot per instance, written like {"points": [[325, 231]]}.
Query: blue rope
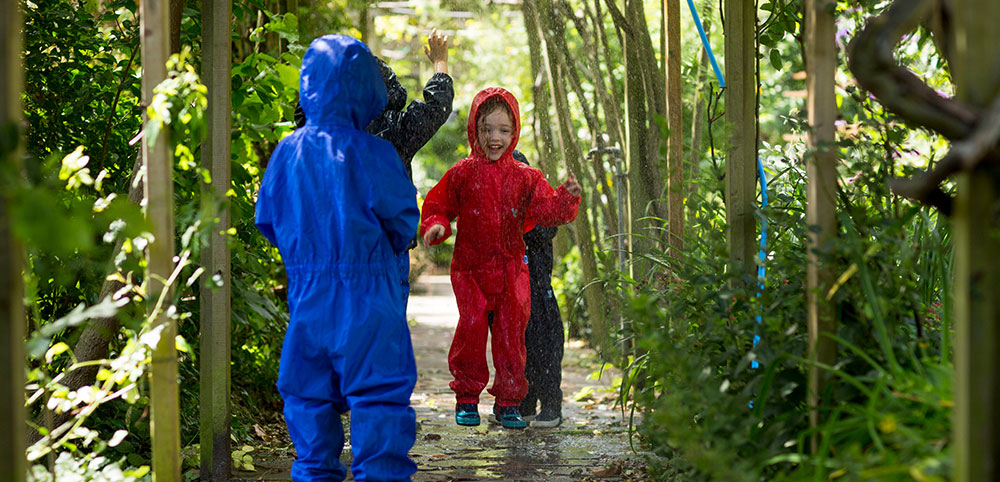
{"points": [[708, 48], [763, 248], [760, 173]]}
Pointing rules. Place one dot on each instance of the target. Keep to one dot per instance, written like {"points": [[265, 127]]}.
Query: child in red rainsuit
{"points": [[496, 199]]}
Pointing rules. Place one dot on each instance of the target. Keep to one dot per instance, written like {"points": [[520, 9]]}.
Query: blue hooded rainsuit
{"points": [[340, 207]]}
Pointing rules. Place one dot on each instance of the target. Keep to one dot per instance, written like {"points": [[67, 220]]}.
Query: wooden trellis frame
{"points": [[164, 395], [12, 318], [741, 156], [215, 301], [821, 203]]}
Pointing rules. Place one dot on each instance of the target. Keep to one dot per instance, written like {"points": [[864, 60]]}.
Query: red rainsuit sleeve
{"points": [[550, 207], [440, 206]]}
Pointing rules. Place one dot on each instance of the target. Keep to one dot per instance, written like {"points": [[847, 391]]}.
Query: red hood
{"points": [[477, 150]]}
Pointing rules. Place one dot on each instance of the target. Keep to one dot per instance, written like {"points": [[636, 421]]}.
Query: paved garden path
{"points": [[591, 444]]}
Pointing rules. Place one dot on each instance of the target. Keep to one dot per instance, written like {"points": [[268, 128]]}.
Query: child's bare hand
{"points": [[433, 234], [437, 50], [572, 186]]}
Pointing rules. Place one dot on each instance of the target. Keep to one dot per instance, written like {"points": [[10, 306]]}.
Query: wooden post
{"points": [[821, 206], [12, 321], [159, 189], [675, 148], [741, 154], [216, 458], [976, 73]]}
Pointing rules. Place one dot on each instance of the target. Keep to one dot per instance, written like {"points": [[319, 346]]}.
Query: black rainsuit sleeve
{"points": [[411, 129], [421, 119]]}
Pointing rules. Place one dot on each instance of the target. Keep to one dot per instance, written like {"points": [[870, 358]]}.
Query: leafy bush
{"points": [[717, 406]]}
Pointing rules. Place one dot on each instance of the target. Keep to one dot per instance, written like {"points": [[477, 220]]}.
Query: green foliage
{"points": [[709, 414], [85, 219]]}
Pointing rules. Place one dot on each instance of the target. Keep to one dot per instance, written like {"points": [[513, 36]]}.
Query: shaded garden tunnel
{"points": [[626, 110]]}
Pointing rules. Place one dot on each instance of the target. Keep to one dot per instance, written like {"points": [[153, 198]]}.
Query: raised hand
{"points": [[572, 186], [433, 234], [437, 51]]}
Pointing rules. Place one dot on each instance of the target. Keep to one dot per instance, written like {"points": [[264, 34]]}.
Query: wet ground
{"points": [[591, 444]]}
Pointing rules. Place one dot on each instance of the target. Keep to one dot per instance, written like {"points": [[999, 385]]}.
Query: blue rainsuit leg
{"points": [[365, 366]]}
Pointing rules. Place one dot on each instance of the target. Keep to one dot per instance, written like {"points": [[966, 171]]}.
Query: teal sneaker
{"points": [[467, 414], [509, 417]]}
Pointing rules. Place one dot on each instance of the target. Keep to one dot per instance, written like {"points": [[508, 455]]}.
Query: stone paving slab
{"points": [[591, 444]]}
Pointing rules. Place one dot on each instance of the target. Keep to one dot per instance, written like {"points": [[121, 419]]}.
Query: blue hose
{"points": [[704, 41], [763, 247]]}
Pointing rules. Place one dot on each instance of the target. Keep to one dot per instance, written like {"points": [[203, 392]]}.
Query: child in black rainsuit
{"points": [[544, 338], [408, 130]]}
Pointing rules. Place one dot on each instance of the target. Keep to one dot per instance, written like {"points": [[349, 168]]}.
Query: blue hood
{"points": [[341, 84]]}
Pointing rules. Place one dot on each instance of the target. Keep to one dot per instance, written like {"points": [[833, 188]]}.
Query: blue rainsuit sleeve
{"points": [[393, 197], [265, 209]]}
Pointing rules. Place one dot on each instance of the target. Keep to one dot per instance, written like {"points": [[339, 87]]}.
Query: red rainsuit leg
{"points": [[467, 357], [510, 319]]}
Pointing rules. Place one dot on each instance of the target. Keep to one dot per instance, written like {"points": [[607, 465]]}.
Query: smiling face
{"points": [[495, 132]]}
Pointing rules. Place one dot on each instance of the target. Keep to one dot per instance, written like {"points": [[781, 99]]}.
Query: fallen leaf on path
{"points": [[612, 471], [260, 433], [432, 436]]}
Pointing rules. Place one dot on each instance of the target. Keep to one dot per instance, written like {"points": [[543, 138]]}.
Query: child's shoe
{"points": [[467, 414], [528, 409], [508, 417], [547, 418]]}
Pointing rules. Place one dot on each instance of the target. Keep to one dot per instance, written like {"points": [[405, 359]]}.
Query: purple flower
{"points": [[842, 37]]}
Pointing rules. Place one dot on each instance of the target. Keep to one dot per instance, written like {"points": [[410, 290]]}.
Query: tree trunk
{"points": [[821, 206], [216, 457], [164, 403], [612, 116], [541, 121], [976, 73], [699, 116], [572, 155], [655, 97], [614, 97], [643, 175], [176, 16], [12, 318], [741, 156], [675, 147], [557, 36]]}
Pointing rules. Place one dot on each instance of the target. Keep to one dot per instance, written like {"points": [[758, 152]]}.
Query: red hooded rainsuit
{"points": [[496, 203]]}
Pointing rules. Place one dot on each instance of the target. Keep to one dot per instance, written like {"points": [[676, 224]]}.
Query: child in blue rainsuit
{"points": [[339, 206]]}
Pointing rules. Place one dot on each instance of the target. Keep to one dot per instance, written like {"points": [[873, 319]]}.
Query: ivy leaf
{"points": [[775, 59]]}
